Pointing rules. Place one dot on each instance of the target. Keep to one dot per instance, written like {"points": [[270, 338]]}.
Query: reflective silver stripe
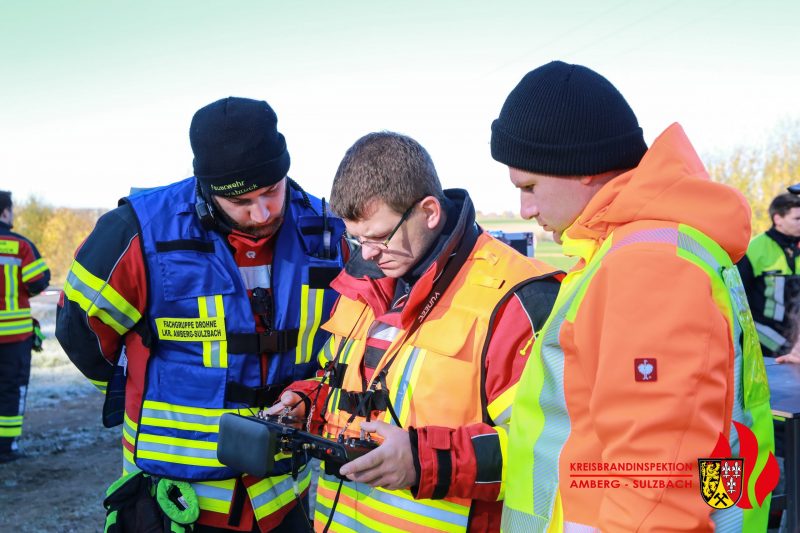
{"points": [[33, 269], [6, 260], [574, 527], [10, 273], [256, 276], [99, 301], [502, 418], [21, 313], [342, 519], [514, 521], [172, 416], [129, 431], [173, 449], [413, 506], [213, 492], [214, 347], [127, 466], [780, 291], [769, 337], [308, 329], [277, 489], [327, 353], [215, 359], [382, 331]]}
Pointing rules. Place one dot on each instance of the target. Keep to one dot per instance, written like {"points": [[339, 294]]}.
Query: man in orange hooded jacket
{"points": [[649, 361]]}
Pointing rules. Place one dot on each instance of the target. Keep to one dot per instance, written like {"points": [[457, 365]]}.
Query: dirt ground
{"points": [[70, 458]]}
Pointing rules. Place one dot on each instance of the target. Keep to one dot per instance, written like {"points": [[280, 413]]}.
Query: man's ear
{"points": [[432, 208]]}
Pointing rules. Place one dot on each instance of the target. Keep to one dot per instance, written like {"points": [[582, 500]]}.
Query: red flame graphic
{"points": [[767, 479]]}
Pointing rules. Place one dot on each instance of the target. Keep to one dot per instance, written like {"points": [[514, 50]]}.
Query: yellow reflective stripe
{"points": [[273, 493], [502, 437], [161, 414], [99, 385], [328, 349], [31, 270], [176, 424], [19, 313], [500, 409], [177, 441], [151, 404], [10, 276], [128, 436], [310, 300], [179, 459], [322, 518], [403, 384], [215, 496], [10, 426], [215, 353], [404, 507], [196, 451], [87, 305], [298, 351], [319, 300], [107, 291], [130, 423], [100, 300], [16, 327], [128, 465]]}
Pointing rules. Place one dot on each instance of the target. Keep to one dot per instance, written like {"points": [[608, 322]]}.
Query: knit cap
{"points": [[237, 147], [567, 120]]}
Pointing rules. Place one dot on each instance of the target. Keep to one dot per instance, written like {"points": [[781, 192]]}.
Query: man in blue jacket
{"points": [[209, 292]]}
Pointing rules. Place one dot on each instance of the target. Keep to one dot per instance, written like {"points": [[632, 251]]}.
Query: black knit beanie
{"points": [[237, 147], [567, 120]]}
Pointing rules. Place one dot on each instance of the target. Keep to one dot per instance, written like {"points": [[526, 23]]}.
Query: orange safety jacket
{"points": [[434, 376]]}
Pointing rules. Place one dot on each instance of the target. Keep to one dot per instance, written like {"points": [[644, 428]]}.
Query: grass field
{"points": [[545, 249], [550, 252]]}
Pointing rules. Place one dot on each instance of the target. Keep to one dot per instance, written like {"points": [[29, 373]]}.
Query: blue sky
{"points": [[98, 96]]}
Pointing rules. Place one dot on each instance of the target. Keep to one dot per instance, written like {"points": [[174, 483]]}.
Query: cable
{"points": [[333, 507]]}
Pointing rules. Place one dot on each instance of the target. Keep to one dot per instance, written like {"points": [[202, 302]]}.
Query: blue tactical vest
{"points": [[204, 357]]}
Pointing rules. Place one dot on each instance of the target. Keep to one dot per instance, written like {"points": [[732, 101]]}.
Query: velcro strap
{"points": [[363, 403], [253, 396], [274, 342], [337, 372], [444, 472], [438, 438]]}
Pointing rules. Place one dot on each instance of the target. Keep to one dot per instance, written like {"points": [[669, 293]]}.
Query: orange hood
{"points": [[670, 184]]}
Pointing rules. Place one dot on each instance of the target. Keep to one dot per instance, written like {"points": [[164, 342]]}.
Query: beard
{"points": [[257, 231], [260, 231]]}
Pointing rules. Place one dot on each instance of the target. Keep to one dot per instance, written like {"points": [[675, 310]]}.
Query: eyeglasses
{"points": [[384, 244]]}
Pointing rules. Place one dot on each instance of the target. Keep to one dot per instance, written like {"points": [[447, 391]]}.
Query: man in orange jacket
{"points": [[649, 361]]}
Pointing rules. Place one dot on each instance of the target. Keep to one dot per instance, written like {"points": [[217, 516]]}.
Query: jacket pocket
{"points": [[189, 273]]}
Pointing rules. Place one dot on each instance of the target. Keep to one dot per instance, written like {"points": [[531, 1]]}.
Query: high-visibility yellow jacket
{"points": [[772, 284], [649, 356]]}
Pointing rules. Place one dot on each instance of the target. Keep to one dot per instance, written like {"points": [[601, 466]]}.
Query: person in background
{"points": [[435, 321], [650, 354], [209, 292], [770, 273], [23, 274]]}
